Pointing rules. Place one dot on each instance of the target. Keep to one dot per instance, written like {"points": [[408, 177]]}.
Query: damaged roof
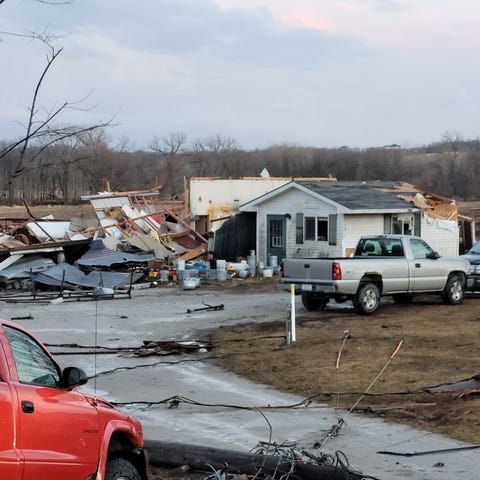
{"points": [[360, 196], [365, 195]]}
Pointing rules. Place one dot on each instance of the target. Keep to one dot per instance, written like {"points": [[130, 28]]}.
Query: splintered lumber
{"points": [[205, 458], [191, 254]]}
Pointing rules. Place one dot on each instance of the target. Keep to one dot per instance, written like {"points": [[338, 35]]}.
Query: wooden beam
{"points": [[188, 227], [205, 458]]}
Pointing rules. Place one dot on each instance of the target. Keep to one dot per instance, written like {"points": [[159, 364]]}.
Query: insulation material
{"points": [[49, 231]]}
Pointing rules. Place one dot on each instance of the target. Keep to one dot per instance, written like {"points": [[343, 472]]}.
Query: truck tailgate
{"points": [[301, 270]]}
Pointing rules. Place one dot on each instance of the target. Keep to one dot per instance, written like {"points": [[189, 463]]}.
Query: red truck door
{"points": [[58, 429], [10, 459]]}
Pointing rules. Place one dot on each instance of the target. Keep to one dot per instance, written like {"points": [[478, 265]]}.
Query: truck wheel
{"points": [[367, 299], [312, 304], [121, 469], [454, 291]]}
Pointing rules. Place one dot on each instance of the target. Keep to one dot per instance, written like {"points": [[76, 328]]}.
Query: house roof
{"points": [[372, 195], [353, 196]]}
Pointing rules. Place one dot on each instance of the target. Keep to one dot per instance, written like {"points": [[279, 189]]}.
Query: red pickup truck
{"points": [[50, 430]]}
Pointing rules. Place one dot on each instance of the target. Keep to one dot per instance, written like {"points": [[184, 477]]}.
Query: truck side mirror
{"points": [[73, 377]]}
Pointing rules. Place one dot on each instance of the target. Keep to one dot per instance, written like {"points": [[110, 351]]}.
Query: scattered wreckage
{"points": [[134, 239]]}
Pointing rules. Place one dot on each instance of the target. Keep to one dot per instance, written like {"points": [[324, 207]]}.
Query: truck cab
{"points": [[51, 430]]}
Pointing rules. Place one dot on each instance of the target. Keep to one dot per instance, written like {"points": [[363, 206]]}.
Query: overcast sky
{"points": [[306, 72]]}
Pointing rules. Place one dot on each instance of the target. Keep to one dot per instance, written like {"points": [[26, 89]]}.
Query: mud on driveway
{"points": [[440, 346]]}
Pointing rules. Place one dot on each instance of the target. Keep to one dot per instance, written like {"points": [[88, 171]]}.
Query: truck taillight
{"points": [[336, 271]]}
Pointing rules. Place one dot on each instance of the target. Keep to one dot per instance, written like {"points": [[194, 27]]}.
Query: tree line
{"points": [[81, 163]]}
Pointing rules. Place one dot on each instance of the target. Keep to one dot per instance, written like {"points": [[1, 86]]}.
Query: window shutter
{"points": [[417, 224], [387, 223], [332, 229], [299, 228]]}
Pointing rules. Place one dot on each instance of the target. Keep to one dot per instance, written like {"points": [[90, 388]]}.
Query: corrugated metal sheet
{"points": [[24, 265], [99, 255], [70, 276]]}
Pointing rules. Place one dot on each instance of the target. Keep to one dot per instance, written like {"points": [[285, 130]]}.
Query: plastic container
{"points": [[164, 276], [212, 274], [272, 261], [189, 284], [221, 275]]}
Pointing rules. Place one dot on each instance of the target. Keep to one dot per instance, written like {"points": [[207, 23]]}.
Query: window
{"points": [[402, 224], [276, 234], [316, 228], [420, 249], [33, 364]]}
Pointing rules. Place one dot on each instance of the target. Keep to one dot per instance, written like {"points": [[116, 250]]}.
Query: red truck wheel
{"points": [[121, 469]]}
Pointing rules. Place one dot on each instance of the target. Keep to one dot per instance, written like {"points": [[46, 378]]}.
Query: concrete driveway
{"points": [[209, 416]]}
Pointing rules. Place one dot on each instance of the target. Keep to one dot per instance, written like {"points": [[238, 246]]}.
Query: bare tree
{"points": [[171, 148], [41, 130]]}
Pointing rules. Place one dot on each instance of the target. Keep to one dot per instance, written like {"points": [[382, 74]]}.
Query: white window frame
{"points": [[316, 235]]}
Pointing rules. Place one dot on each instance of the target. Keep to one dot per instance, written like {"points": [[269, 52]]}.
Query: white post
{"points": [[292, 312]]}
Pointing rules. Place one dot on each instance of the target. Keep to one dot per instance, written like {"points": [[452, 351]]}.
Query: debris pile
{"points": [[133, 239]]}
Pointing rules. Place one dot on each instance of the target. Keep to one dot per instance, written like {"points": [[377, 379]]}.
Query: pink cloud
{"points": [[314, 14]]}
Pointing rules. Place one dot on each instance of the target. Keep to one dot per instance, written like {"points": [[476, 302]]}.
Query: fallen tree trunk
{"points": [[208, 458]]}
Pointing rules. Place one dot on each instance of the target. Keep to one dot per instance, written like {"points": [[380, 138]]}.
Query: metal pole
{"points": [[292, 312]]}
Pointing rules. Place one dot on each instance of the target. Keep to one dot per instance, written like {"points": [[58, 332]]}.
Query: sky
{"points": [[320, 73]]}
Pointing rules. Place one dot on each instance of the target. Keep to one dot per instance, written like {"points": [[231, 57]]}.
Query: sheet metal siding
{"points": [[443, 241], [206, 194]]}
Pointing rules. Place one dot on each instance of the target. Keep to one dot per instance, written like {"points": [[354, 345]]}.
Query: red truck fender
{"points": [[120, 439]]}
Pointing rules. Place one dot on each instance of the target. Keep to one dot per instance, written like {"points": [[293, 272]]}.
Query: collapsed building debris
{"points": [[132, 229], [172, 347], [143, 221]]}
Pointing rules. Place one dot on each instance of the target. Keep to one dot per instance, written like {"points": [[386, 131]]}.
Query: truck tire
{"points": [[121, 469], [454, 291], [312, 304], [367, 299]]}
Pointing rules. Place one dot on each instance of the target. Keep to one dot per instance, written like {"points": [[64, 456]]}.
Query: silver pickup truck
{"points": [[396, 265]]}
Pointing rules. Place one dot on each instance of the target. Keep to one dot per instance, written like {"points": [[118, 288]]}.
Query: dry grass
{"points": [[441, 345]]}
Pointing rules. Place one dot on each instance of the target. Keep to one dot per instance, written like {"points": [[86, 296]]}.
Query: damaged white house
{"points": [[326, 218]]}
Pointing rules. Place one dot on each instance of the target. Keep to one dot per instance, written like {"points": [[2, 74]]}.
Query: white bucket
{"points": [[211, 274], [267, 272], [243, 273], [189, 284], [221, 264], [164, 275], [181, 265], [183, 275], [221, 275]]}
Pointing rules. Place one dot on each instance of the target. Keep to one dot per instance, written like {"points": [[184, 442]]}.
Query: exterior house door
{"points": [[276, 237]]}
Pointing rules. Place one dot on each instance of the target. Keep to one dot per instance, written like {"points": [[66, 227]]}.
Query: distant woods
{"points": [[80, 164]]}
